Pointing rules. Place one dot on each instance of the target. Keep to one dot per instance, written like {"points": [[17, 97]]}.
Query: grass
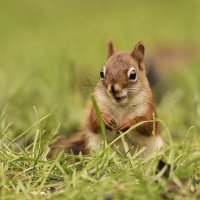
{"points": [[50, 56]]}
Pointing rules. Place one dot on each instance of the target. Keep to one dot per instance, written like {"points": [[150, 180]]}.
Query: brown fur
{"points": [[122, 101], [92, 121], [110, 48], [73, 145], [145, 128]]}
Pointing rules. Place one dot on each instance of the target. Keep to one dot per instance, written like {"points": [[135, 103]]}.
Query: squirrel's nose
{"points": [[114, 88]]}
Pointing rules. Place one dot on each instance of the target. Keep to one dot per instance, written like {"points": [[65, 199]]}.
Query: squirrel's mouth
{"points": [[119, 99]]}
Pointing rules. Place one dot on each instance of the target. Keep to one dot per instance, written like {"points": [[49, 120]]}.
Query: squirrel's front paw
{"points": [[109, 121], [126, 124]]}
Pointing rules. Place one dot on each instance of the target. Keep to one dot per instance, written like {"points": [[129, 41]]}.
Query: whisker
{"points": [[132, 89]]}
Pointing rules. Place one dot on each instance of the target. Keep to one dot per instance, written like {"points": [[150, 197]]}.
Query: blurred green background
{"points": [[51, 53]]}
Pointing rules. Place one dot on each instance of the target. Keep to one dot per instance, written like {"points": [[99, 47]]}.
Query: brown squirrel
{"points": [[124, 98]]}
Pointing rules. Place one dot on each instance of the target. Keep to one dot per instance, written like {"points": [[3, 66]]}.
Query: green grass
{"points": [[50, 56]]}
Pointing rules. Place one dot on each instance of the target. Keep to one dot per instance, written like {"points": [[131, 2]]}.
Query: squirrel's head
{"points": [[123, 75]]}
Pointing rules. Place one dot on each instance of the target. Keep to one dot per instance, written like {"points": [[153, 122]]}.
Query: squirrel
{"points": [[124, 98]]}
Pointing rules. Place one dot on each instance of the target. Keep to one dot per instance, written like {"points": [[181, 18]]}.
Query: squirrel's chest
{"points": [[120, 113]]}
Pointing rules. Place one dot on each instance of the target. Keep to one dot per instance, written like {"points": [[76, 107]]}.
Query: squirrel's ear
{"points": [[110, 48], [138, 52]]}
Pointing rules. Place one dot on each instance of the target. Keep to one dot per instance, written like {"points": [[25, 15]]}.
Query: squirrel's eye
{"points": [[132, 74], [102, 73]]}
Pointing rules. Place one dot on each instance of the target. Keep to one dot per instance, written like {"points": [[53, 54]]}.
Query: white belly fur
{"points": [[151, 143], [135, 141]]}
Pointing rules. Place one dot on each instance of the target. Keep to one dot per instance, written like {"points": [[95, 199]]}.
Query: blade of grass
{"points": [[102, 126], [35, 144], [27, 130], [127, 150]]}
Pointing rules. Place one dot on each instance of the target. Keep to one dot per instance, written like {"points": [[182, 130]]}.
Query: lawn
{"points": [[50, 56]]}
